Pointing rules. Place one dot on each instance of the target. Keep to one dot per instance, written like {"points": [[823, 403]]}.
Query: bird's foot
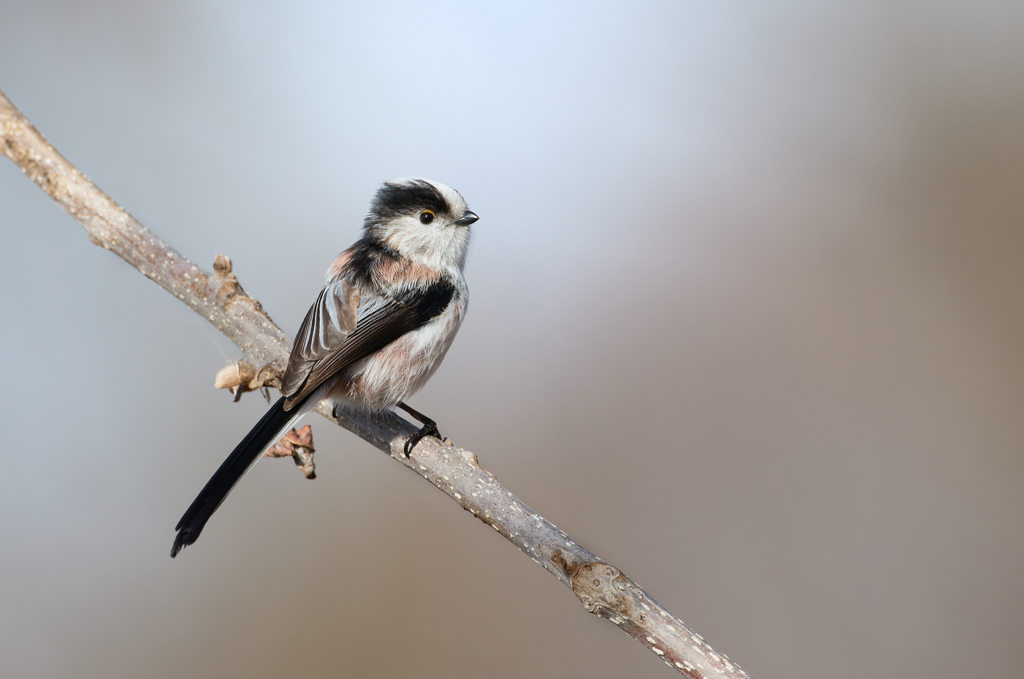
{"points": [[429, 428]]}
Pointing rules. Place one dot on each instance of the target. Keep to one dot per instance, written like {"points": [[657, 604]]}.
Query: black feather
{"points": [[368, 254], [266, 431], [425, 304]]}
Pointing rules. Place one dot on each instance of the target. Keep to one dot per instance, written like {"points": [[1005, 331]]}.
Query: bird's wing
{"points": [[343, 326]]}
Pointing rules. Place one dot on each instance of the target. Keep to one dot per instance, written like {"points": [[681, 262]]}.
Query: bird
{"points": [[390, 308]]}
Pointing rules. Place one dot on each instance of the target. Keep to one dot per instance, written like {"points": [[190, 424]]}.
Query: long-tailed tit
{"points": [[377, 332]]}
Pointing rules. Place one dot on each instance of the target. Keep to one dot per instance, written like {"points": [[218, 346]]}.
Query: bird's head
{"points": [[423, 220]]}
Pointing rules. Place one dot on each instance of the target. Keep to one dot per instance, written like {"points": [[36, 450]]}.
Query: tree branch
{"points": [[603, 589]]}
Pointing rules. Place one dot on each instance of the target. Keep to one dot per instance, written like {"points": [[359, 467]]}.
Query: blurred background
{"points": [[747, 322]]}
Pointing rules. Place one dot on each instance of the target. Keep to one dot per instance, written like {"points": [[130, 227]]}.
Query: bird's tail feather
{"points": [[264, 435]]}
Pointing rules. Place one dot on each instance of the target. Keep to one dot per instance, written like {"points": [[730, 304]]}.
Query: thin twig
{"points": [[602, 588]]}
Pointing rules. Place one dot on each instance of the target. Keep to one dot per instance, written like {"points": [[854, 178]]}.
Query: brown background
{"points": [[746, 321]]}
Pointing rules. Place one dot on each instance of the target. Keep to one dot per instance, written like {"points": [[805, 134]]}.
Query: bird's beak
{"points": [[467, 218]]}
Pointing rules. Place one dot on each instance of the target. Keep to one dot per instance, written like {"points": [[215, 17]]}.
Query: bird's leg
{"points": [[429, 428]]}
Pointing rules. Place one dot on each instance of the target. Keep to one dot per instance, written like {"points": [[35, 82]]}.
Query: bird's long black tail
{"points": [[266, 432]]}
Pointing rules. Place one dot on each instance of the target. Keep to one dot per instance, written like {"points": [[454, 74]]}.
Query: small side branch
{"points": [[603, 589]]}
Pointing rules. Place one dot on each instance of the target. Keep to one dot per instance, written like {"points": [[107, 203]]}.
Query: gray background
{"points": [[746, 321]]}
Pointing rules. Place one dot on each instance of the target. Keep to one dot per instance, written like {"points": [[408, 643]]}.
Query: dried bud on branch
{"points": [[298, 445]]}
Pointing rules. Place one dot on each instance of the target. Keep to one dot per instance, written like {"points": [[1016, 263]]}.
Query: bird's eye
{"points": [[426, 217]]}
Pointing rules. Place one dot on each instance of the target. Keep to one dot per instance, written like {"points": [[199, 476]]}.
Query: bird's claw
{"points": [[428, 429]]}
